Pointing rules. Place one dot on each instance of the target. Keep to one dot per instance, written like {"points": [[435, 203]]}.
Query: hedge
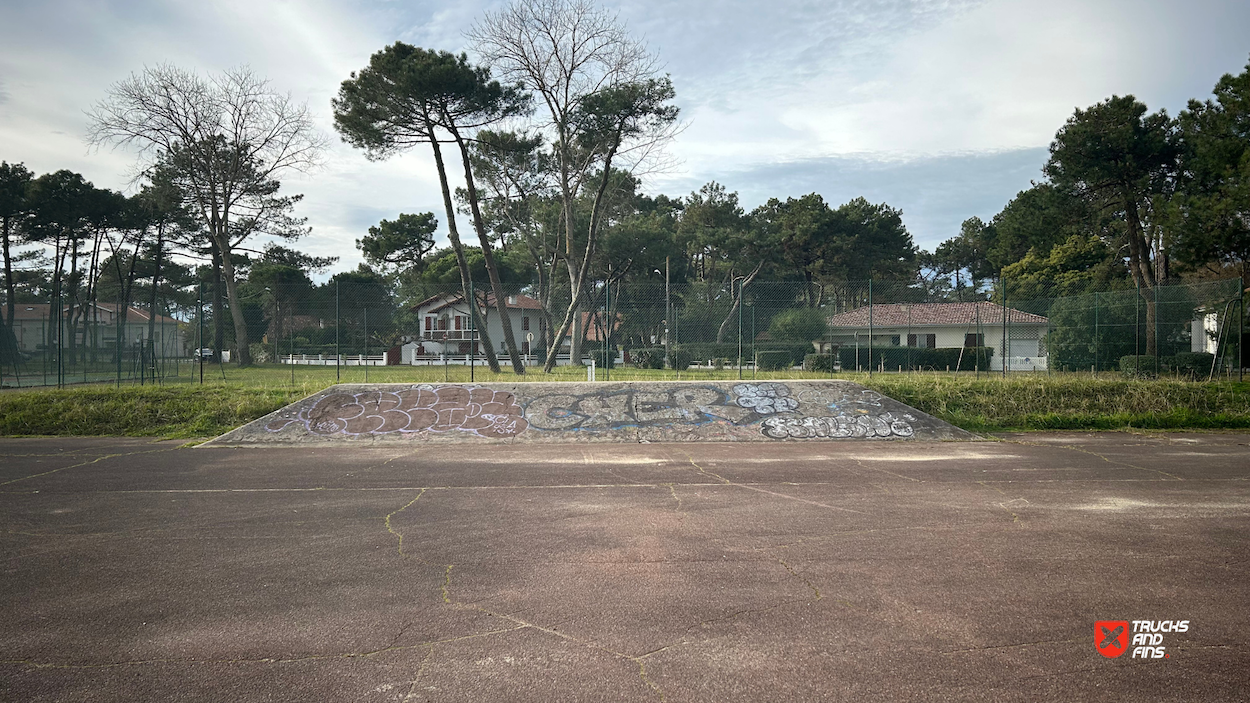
{"points": [[647, 357], [680, 358], [916, 358], [1141, 365], [819, 362], [775, 360], [604, 363], [704, 351], [1192, 364]]}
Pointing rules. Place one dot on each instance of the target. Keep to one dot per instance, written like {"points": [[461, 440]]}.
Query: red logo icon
{"points": [[1111, 637]]}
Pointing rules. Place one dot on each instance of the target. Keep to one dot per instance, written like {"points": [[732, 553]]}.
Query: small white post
{"points": [[590, 371]]}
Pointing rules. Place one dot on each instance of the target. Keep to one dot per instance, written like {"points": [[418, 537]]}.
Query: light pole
{"points": [[667, 311]]}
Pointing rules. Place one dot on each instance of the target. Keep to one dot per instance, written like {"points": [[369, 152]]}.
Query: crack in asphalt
{"points": [[1077, 448], [1015, 518], [260, 660], [1015, 645], [522, 623], [412, 688], [87, 463], [399, 535], [751, 487]]}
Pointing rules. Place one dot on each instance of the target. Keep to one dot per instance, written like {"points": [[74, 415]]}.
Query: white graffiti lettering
{"points": [[837, 427]]}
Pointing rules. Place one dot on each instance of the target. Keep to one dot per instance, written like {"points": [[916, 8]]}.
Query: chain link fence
{"points": [[345, 331]]}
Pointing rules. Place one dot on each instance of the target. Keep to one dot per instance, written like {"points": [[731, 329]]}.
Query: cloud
{"points": [[935, 193], [940, 107]]}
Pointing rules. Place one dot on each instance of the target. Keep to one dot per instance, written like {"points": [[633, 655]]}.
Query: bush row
{"points": [[1189, 364], [914, 358], [776, 356]]}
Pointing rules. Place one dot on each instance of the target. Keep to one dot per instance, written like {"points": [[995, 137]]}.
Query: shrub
{"points": [[680, 359], [915, 358], [774, 360], [1193, 364], [1140, 366], [602, 360], [798, 325], [647, 357], [260, 352], [819, 362], [703, 351]]}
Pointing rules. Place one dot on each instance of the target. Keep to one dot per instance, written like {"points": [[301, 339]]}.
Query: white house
{"points": [[947, 326], [445, 323], [31, 327]]}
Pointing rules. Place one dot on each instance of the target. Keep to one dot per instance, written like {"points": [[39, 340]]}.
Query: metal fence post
{"points": [[199, 334], [1157, 349], [1241, 329], [1006, 351], [607, 329], [1137, 324], [741, 302], [338, 324], [366, 356], [472, 330], [1095, 335], [870, 328]]}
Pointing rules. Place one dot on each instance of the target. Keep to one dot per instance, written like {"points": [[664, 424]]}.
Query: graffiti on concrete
{"points": [[765, 398], [479, 411], [843, 399], [635, 408], [838, 426]]}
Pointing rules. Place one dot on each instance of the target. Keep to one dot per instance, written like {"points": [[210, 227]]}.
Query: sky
{"points": [[941, 108]]}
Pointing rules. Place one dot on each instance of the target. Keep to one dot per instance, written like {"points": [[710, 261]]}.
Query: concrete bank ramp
{"points": [[683, 411]]}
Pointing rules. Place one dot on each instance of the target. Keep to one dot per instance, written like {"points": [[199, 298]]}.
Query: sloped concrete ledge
{"points": [[683, 411]]}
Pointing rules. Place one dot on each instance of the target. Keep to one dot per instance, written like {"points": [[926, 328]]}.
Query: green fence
{"points": [[1188, 330]]}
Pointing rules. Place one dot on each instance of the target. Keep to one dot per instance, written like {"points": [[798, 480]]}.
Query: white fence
{"points": [[1019, 363], [329, 360]]}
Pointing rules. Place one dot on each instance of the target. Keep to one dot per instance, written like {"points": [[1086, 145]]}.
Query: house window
{"points": [[923, 341], [429, 324], [525, 322], [442, 323], [457, 322], [525, 347], [974, 340]]}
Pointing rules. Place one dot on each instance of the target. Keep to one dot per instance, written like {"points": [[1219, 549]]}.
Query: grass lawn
{"points": [[181, 407]]}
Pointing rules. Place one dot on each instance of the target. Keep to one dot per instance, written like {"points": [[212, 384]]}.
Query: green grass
{"points": [[181, 407], [1070, 402], [170, 411]]}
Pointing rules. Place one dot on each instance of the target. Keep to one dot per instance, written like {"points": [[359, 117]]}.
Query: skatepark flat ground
{"points": [[788, 571]]}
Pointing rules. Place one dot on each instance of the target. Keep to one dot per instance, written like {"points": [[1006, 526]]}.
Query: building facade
{"points": [[947, 326]]}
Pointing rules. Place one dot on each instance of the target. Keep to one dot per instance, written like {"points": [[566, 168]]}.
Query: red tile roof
{"points": [[523, 302], [921, 314], [39, 311]]}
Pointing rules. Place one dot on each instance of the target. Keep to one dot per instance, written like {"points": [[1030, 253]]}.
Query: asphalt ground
{"points": [[786, 571]]}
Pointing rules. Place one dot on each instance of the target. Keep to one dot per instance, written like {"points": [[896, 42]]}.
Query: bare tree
{"points": [[602, 101], [231, 136]]}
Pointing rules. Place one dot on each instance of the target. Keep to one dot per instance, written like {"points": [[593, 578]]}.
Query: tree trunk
{"points": [[578, 279], [737, 297], [1143, 271], [156, 281], [501, 302], [242, 352], [219, 308], [454, 236]]}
